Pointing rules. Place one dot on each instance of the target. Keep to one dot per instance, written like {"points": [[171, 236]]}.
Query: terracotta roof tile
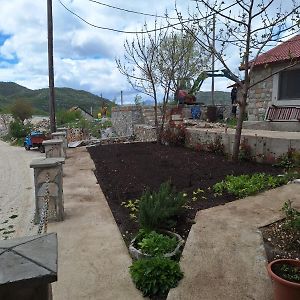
{"points": [[285, 51]]}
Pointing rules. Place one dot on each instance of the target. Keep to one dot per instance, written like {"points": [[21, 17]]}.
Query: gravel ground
{"points": [[16, 191]]}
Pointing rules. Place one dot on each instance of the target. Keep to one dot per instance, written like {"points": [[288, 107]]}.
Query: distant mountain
{"points": [[65, 97]]}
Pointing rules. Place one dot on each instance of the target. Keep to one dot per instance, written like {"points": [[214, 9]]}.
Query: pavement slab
{"points": [[93, 259], [224, 256]]}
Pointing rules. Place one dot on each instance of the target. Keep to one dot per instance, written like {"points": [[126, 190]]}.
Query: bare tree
{"points": [[246, 27], [156, 63]]}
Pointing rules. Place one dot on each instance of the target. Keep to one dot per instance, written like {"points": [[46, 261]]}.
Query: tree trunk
{"points": [[238, 131]]}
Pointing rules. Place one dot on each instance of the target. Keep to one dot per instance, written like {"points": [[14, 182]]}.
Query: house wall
{"points": [[260, 96], [265, 93]]}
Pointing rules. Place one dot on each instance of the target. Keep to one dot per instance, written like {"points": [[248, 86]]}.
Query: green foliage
{"points": [[245, 185], [292, 216], [231, 122], [289, 160], [158, 209], [21, 110], [155, 276], [65, 116], [155, 244], [133, 206], [18, 130], [287, 272]]}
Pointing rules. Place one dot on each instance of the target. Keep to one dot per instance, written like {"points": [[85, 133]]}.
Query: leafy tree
{"points": [[246, 28], [21, 110]]}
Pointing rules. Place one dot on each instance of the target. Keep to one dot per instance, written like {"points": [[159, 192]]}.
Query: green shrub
{"points": [[18, 130], [154, 243], [65, 116], [155, 276], [292, 216], [245, 185], [158, 209]]}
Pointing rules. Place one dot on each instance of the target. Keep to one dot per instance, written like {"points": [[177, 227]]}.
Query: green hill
{"points": [[65, 97]]}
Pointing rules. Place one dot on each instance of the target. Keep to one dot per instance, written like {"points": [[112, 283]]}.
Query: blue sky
{"points": [[84, 57]]}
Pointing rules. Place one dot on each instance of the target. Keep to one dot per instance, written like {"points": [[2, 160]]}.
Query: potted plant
{"points": [[285, 274], [157, 212], [149, 244]]}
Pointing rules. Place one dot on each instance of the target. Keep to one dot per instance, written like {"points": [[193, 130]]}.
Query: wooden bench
{"points": [[283, 113]]}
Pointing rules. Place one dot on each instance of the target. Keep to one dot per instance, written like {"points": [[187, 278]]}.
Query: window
{"points": [[289, 85]]}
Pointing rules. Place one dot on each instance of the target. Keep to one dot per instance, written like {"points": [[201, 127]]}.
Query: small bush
{"points": [[174, 135], [245, 185], [155, 276], [158, 209], [64, 117], [18, 130], [155, 244], [292, 220]]}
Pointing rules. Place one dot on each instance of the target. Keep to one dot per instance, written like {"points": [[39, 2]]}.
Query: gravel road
{"points": [[16, 191]]}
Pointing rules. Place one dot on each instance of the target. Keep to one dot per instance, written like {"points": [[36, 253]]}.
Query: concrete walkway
{"points": [[224, 257], [92, 256]]}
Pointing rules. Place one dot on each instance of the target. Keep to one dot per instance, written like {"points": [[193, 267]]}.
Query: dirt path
{"points": [[16, 191]]}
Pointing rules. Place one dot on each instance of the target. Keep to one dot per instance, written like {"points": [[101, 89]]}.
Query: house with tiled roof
{"points": [[283, 88]]}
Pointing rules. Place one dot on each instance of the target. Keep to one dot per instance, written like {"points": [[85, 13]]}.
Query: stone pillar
{"points": [[48, 179], [53, 148], [28, 266], [65, 130], [60, 135]]}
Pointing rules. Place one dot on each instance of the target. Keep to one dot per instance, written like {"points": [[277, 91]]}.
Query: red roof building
{"points": [[286, 51]]}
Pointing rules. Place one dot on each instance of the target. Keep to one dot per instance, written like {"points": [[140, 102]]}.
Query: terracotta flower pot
{"points": [[284, 289], [137, 253]]}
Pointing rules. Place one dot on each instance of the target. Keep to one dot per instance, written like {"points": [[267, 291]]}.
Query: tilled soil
{"points": [[281, 241], [124, 171]]}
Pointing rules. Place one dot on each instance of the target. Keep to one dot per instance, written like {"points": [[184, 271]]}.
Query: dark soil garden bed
{"points": [[280, 241], [124, 171]]}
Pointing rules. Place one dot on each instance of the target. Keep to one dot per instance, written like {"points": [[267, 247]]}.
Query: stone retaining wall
{"points": [[123, 119], [260, 147]]}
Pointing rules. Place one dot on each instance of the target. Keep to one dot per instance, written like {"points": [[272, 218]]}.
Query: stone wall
{"points": [[260, 96], [123, 119], [264, 148], [145, 133]]}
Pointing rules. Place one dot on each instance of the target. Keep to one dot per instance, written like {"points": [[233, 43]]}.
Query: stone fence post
{"points": [[60, 135], [48, 180], [28, 265], [54, 148]]}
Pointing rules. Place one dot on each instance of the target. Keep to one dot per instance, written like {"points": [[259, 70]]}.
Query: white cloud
{"points": [[83, 55]]}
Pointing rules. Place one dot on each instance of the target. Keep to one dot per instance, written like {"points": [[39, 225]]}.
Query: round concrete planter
{"points": [[138, 254], [283, 289]]}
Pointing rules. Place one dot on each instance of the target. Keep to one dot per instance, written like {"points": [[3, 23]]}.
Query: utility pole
{"points": [[122, 98], [50, 67], [213, 61]]}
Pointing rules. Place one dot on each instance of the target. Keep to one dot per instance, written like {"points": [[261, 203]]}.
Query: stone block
{"points": [[61, 135], [28, 266]]}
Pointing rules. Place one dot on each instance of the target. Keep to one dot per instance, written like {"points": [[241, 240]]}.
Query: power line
{"points": [[133, 11], [118, 30], [139, 32]]}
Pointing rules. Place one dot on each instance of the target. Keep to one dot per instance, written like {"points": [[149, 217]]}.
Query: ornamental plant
{"points": [[158, 210], [155, 276], [245, 185], [155, 244]]}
